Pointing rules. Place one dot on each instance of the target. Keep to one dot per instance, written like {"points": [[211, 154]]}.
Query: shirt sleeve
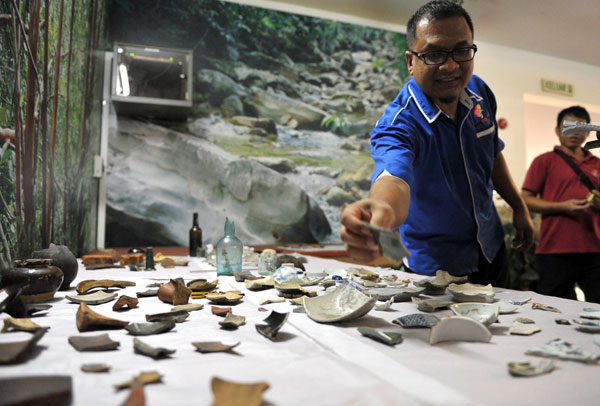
{"points": [[393, 151], [536, 176]]}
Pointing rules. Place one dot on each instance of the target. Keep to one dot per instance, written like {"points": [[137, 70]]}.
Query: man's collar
{"points": [[429, 109]]}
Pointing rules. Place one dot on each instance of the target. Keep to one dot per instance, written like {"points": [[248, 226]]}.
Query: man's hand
{"points": [[575, 207], [596, 200], [524, 230], [360, 244]]}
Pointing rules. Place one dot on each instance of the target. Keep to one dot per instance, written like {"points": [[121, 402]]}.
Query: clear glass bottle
{"points": [[229, 251], [195, 237]]}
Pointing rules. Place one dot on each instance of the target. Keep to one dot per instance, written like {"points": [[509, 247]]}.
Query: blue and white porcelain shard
{"points": [[417, 320], [343, 303], [589, 313], [459, 328], [559, 348], [485, 313], [285, 273], [587, 326]]}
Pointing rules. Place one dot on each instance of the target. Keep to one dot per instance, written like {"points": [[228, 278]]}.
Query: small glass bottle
{"points": [[195, 237], [229, 251], [267, 262]]}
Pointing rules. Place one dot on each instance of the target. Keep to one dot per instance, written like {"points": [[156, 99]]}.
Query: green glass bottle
{"points": [[229, 251], [195, 237]]}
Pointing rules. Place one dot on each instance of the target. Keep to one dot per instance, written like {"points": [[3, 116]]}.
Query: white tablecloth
{"points": [[311, 363]]}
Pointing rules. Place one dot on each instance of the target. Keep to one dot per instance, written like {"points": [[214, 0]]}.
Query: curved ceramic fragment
{"points": [[268, 300], [12, 324], [559, 348], [259, 284], [417, 320], [506, 308], [144, 378], [385, 305], [430, 305], [587, 326], [220, 311], [230, 297], [588, 313], [123, 301], [100, 342], [468, 292], [36, 390], [398, 294], [531, 368], [148, 293], [459, 328], [192, 307], [202, 285], [12, 351], [231, 393], [437, 285], [86, 319], [178, 316], [548, 308], [175, 292], [141, 347], [85, 286], [214, 346], [95, 298], [342, 303], [146, 329], [386, 337], [485, 313], [271, 325], [95, 368], [524, 329], [231, 321]]}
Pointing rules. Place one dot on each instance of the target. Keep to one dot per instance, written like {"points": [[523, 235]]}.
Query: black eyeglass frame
{"points": [[423, 55]]}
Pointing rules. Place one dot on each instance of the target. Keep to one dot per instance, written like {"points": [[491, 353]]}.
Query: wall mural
{"points": [[278, 136], [49, 124]]}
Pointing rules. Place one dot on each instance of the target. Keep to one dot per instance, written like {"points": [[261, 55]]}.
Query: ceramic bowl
{"points": [[344, 302], [459, 328], [485, 313], [468, 292]]}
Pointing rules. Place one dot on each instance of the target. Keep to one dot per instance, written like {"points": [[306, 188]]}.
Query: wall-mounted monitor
{"points": [[151, 81]]}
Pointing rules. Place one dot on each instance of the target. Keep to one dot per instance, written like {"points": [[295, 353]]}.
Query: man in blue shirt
{"points": [[438, 159]]}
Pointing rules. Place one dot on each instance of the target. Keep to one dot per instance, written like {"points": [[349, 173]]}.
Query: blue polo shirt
{"points": [[448, 167]]}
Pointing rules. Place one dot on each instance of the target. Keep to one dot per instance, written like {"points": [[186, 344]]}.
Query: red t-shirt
{"points": [[552, 179]]}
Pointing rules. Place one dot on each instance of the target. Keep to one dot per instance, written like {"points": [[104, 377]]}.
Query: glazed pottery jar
{"points": [[63, 258], [39, 279]]}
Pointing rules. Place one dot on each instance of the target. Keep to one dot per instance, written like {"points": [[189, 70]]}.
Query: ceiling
{"points": [[567, 29]]}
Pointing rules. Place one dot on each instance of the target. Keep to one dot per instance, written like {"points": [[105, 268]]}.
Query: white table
{"points": [[311, 363]]}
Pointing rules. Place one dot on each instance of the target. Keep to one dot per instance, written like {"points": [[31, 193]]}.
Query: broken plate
{"points": [[398, 294], [386, 337], [417, 320], [95, 298], [214, 346], [559, 348], [231, 321], [87, 319], [531, 368], [430, 305], [146, 329], [523, 329], [142, 348], [100, 342], [231, 393], [343, 303], [469, 292], [485, 313], [85, 286], [459, 328], [271, 325]]}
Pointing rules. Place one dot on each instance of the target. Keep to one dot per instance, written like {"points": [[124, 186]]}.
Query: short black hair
{"points": [[576, 111], [435, 10]]}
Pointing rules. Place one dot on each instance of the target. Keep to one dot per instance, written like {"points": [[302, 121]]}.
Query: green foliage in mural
{"points": [[49, 121]]}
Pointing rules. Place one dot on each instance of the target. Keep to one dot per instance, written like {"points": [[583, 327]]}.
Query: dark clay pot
{"points": [[40, 280], [63, 258]]}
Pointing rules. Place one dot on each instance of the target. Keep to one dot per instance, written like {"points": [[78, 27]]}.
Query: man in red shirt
{"points": [[568, 251]]}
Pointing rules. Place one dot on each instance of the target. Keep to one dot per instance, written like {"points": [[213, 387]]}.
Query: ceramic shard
{"points": [[230, 297], [531, 368], [398, 294], [523, 329], [95, 368], [430, 305], [520, 302], [237, 394], [148, 293], [506, 308], [202, 285], [244, 275], [220, 311], [588, 313], [389, 242], [484, 313], [271, 300], [468, 292], [524, 320], [100, 342], [459, 328], [548, 308], [231, 321], [178, 316], [146, 329], [297, 300], [343, 303], [437, 285], [387, 337], [214, 346], [36, 390], [125, 301], [12, 352], [88, 319], [12, 324], [562, 321], [417, 320], [141, 347], [136, 395], [385, 305], [559, 348], [144, 378], [271, 325], [587, 325], [192, 307], [95, 298], [259, 284], [87, 285], [35, 308], [174, 292]]}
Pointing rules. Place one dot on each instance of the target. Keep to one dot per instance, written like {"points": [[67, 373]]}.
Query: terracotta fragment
{"points": [[145, 329], [100, 342], [125, 300], [192, 307], [136, 395], [12, 324], [144, 378], [132, 259], [141, 347], [214, 346], [178, 316], [202, 285], [53, 390], [85, 286], [97, 259], [231, 321], [237, 394], [175, 292], [95, 368], [220, 311], [87, 319], [230, 297]]}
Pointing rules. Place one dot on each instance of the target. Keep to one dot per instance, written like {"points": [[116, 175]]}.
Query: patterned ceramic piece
{"points": [[469, 292], [417, 320], [548, 308], [587, 326], [531, 368], [386, 337], [459, 328], [559, 348], [485, 313], [342, 303]]}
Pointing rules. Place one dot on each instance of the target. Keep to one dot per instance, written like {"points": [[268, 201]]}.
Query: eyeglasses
{"points": [[440, 57]]}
